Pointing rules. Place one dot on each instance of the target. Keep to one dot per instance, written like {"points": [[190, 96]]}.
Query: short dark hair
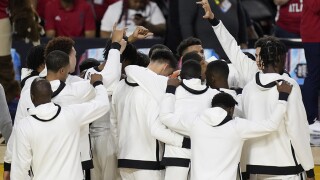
{"points": [[164, 56], [129, 53], [186, 43], [157, 47], [35, 57], [217, 67], [273, 52], [63, 44], [88, 63], [41, 89], [191, 55], [56, 60], [223, 100], [190, 69], [142, 60]]}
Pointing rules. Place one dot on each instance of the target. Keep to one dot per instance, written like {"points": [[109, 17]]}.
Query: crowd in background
{"points": [[181, 24]]}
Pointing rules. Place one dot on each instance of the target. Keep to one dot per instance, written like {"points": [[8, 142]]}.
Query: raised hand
{"points": [[139, 33], [117, 34], [208, 14], [123, 44]]}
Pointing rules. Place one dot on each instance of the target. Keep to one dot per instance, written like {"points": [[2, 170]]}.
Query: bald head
{"points": [[40, 91]]}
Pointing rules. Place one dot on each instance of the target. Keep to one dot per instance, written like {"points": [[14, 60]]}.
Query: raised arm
{"points": [[86, 113], [245, 67], [111, 72]]}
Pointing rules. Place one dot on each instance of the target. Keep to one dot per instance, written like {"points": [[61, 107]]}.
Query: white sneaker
{"points": [[315, 127]]}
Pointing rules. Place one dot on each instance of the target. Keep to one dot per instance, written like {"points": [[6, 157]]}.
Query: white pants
{"points": [[176, 173], [104, 158], [140, 174], [272, 177]]}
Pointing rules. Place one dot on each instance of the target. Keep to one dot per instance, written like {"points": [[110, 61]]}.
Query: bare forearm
{"points": [[90, 34], [105, 34], [158, 29]]}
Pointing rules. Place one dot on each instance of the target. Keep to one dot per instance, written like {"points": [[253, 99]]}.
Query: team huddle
{"points": [[139, 117]]}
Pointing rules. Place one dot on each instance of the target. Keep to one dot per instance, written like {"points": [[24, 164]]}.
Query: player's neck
{"points": [[269, 69], [222, 84], [52, 76]]}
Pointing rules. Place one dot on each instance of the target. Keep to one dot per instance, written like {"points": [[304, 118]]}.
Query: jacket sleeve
{"points": [[83, 91], [93, 109], [22, 155], [111, 72], [5, 118], [157, 129], [245, 66], [24, 103], [298, 129], [154, 84], [170, 118], [250, 129]]}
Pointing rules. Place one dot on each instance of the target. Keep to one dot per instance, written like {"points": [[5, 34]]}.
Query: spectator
{"points": [[40, 6], [132, 13], [229, 11], [72, 18], [100, 7], [310, 28], [288, 18]]}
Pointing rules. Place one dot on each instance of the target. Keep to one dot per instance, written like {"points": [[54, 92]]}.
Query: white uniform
{"points": [[48, 140], [103, 145], [139, 151], [179, 113], [191, 99], [291, 141], [217, 141], [177, 117], [76, 90]]}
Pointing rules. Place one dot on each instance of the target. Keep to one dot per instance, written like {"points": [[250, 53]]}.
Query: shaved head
{"points": [[40, 91]]}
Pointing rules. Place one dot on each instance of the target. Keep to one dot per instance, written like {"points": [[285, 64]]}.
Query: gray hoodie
{"points": [[5, 118]]}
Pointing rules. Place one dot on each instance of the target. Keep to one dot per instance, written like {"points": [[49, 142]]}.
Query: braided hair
{"points": [[273, 53]]}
